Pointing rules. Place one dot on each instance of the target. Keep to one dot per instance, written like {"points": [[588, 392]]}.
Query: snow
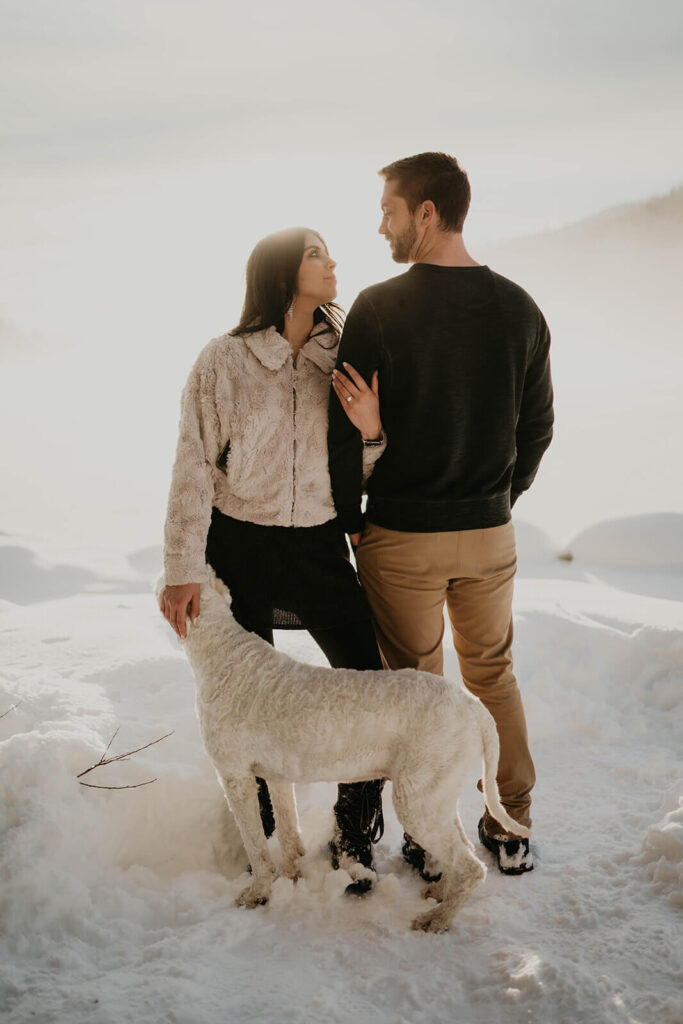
{"points": [[646, 541], [118, 905]]}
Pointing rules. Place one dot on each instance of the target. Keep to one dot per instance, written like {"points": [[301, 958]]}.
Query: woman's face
{"points": [[315, 280]]}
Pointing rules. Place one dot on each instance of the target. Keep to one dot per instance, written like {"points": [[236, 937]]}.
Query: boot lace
{"points": [[360, 819], [371, 814]]}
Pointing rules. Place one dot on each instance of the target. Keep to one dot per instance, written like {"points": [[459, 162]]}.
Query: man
{"points": [[466, 404]]}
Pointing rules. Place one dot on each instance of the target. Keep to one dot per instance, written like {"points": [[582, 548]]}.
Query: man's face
{"points": [[398, 224]]}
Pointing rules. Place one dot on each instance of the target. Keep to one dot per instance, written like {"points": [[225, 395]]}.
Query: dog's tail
{"points": [[491, 751]]}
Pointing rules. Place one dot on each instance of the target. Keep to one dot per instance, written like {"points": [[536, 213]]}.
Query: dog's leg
{"points": [[242, 795], [287, 828], [429, 822], [434, 891]]}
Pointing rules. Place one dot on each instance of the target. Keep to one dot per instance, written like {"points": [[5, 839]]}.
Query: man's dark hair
{"points": [[435, 176]]}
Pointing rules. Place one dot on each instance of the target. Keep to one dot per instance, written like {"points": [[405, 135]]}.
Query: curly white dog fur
{"points": [[264, 714]]}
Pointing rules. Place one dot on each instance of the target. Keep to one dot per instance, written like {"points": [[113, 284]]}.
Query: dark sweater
{"points": [[465, 400]]}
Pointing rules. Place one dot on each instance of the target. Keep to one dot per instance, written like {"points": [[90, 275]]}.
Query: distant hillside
{"points": [[614, 276], [656, 223]]}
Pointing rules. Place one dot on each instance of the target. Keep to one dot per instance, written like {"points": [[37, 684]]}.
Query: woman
{"points": [[251, 495]]}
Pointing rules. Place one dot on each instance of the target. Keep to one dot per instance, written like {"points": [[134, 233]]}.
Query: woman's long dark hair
{"points": [[272, 271]]}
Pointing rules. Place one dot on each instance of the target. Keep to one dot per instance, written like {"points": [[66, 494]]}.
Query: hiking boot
{"points": [[359, 824], [416, 856], [360, 855], [513, 855]]}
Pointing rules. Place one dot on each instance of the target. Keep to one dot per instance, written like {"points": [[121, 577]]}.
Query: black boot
{"points": [[360, 823], [415, 856], [266, 808]]}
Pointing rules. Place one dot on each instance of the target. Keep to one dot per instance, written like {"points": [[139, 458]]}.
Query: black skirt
{"points": [[286, 577]]}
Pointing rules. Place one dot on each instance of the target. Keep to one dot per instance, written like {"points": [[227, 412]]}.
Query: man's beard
{"points": [[401, 245]]}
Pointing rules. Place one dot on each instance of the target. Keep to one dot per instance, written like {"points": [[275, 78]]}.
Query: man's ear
{"points": [[428, 212]]}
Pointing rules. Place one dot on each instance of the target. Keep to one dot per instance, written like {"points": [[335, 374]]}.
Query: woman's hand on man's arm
{"points": [[177, 602], [359, 402]]}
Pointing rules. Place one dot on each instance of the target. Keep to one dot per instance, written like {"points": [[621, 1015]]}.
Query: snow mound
{"points": [[663, 850], [651, 541], [25, 579], [120, 905], [533, 544]]}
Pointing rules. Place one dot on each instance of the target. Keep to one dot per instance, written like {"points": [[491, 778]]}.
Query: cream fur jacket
{"points": [[253, 442]]}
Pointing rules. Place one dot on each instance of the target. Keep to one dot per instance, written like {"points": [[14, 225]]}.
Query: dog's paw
{"points": [[292, 870], [433, 921], [433, 891], [253, 896]]}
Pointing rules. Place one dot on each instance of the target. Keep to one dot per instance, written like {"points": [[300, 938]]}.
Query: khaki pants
{"points": [[407, 578]]}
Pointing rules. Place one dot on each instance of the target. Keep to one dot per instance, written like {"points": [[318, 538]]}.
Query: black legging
{"points": [[349, 645]]}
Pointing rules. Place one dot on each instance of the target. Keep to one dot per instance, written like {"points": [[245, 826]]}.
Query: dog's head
{"points": [[219, 586], [212, 585]]}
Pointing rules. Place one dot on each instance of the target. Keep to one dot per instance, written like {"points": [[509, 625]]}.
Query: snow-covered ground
{"points": [[117, 906]]}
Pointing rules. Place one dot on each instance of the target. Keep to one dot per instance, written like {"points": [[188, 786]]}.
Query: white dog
{"points": [[263, 714]]}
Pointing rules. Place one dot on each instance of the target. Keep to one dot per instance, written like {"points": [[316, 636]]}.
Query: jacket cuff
{"points": [[371, 454], [178, 571]]}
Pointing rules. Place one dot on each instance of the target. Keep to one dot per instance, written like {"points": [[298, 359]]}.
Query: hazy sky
{"points": [[197, 126], [556, 109], [147, 145]]}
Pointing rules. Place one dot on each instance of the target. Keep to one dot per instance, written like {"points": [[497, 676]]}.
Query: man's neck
{"points": [[443, 249]]}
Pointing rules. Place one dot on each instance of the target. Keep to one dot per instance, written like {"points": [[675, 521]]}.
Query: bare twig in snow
{"points": [[119, 757], [91, 785], [5, 713]]}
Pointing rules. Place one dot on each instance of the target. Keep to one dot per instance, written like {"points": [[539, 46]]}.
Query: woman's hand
{"points": [[360, 402], [176, 602]]}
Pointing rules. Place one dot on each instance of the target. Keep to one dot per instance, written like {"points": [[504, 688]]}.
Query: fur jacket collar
{"points": [[271, 349]]}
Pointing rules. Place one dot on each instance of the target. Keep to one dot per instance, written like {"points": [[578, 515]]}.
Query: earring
{"points": [[290, 311]]}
